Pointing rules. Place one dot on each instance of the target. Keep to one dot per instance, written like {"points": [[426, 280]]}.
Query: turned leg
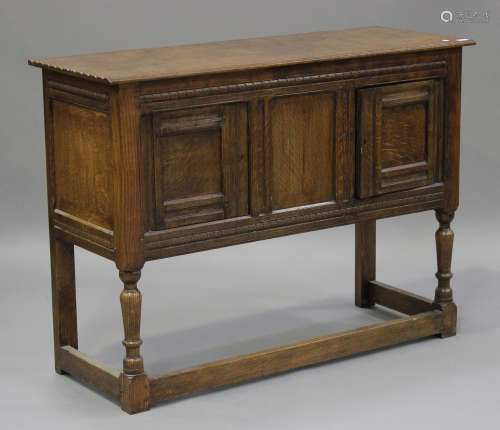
{"points": [[365, 233], [63, 297], [134, 382], [444, 294]]}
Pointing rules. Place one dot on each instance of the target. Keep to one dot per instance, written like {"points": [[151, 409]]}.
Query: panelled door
{"points": [[399, 141], [200, 164]]}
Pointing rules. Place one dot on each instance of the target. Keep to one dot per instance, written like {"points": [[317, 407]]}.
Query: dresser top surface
{"points": [[137, 65]]}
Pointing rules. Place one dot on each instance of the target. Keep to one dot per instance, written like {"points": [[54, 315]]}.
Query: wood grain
{"points": [[63, 297], [135, 393], [90, 371], [128, 201], [444, 247], [398, 140], [365, 261], [452, 130], [83, 163], [211, 236], [201, 160], [345, 145], [403, 143], [302, 130], [328, 76], [398, 300], [188, 60], [257, 182], [134, 383], [281, 359]]}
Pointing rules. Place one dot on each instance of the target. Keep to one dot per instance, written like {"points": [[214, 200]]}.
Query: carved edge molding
{"points": [[78, 91], [77, 95], [296, 80], [159, 240], [84, 233]]}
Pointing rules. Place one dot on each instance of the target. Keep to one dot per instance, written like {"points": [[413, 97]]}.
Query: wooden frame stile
{"points": [[285, 147], [128, 231]]}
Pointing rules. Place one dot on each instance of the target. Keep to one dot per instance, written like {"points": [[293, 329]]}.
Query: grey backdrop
{"points": [[287, 289]]}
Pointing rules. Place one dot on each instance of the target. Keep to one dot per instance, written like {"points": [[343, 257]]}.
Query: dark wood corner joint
{"points": [[167, 151]]}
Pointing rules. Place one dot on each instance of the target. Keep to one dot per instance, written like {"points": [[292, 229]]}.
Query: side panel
{"points": [[80, 162], [83, 163]]}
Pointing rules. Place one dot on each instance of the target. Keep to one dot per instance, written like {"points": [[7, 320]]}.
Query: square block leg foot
{"points": [[366, 303], [58, 366], [134, 393], [449, 327]]}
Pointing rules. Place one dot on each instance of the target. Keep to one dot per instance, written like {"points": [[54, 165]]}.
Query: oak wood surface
{"points": [[83, 163], [188, 60], [200, 165], [63, 297], [398, 300], [452, 129], [291, 79], [293, 356], [302, 131], [399, 136], [162, 245], [365, 261], [134, 383], [444, 247], [90, 371], [127, 198]]}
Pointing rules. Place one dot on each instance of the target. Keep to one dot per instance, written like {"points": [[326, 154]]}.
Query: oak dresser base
{"points": [[167, 151]]}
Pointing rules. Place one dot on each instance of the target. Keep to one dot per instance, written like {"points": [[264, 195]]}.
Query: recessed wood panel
{"points": [[83, 163], [302, 129], [191, 164], [200, 165], [399, 136], [404, 135]]}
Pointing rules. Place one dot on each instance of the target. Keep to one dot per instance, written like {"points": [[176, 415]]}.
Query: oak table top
{"points": [[118, 67]]}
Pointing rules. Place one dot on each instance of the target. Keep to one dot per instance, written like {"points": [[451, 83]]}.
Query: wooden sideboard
{"points": [[159, 152]]}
